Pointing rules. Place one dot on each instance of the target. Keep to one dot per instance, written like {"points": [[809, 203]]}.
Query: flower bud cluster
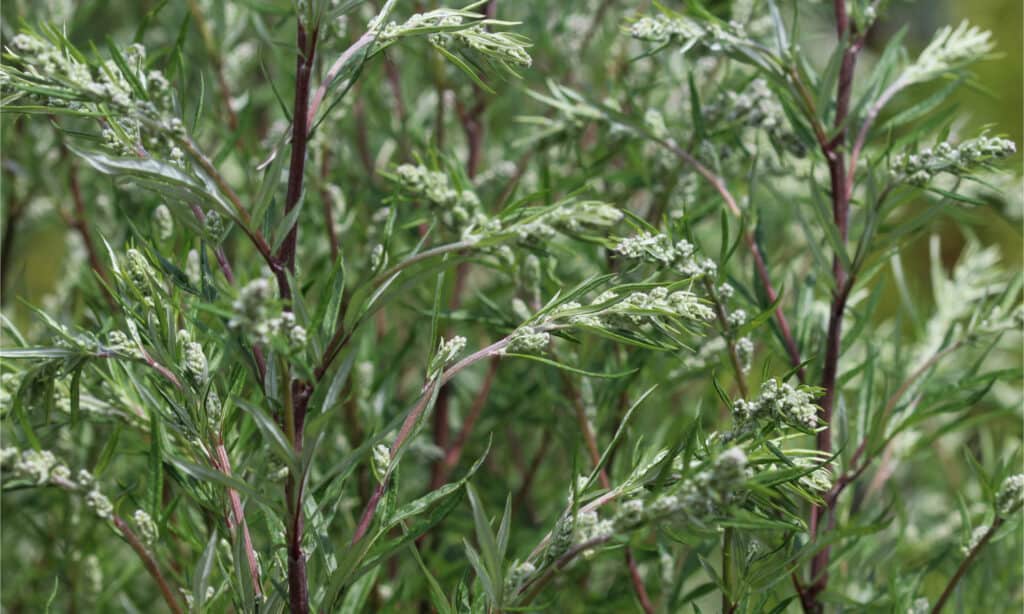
{"points": [[457, 209], [758, 107], [163, 223], [819, 480], [696, 499], [655, 123], [147, 528], [951, 48], [561, 538], [570, 217], [253, 303], [918, 169], [528, 340], [518, 574], [282, 327], [119, 342], [194, 268], [780, 402], [638, 307], [1011, 495], [31, 465], [138, 271], [257, 313], [447, 351], [380, 461], [456, 33], [42, 467], [745, 353], [589, 526], [214, 409], [663, 29], [195, 363], [421, 22], [659, 249], [43, 63], [609, 310], [700, 497], [976, 536]]}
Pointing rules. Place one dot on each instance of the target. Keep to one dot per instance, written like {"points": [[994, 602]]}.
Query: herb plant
{"points": [[375, 306]]}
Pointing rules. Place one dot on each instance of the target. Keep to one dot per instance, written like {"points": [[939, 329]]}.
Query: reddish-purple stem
{"points": [[843, 280]]}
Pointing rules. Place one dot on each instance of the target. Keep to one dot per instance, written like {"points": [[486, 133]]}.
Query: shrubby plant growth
{"points": [[374, 306]]}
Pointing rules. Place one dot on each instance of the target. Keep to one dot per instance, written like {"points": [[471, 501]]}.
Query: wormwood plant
{"points": [[575, 307]]}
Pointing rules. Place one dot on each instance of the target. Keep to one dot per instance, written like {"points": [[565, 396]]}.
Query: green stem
{"points": [[727, 579]]}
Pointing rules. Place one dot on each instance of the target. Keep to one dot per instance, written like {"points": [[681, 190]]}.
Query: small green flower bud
{"points": [[561, 538], [381, 461], [163, 223], [8, 455], [147, 528], [119, 342], [193, 268], [528, 340], [214, 409], [976, 536], [85, 479], [195, 363], [630, 515], [730, 468], [138, 270], [93, 573], [447, 351], [1011, 495], [214, 224], [518, 574], [35, 465], [745, 352], [99, 504]]}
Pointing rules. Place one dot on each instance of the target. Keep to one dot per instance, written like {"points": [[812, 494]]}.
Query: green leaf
{"points": [[437, 596], [272, 434], [359, 592], [565, 367], [156, 474], [201, 578], [489, 552], [206, 474]]}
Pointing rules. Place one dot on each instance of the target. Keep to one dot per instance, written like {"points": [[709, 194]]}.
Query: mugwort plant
{"points": [[348, 306]]}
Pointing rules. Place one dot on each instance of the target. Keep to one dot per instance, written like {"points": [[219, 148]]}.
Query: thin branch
{"points": [[852, 475], [454, 453], [965, 565], [245, 220], [841, 188], [727, 334], [865, 128], [332, 73], [149, 563], [342, 335], [79, 222], [429, 389], [538, 584], [306, 42], [762, 269], [223, 464], [595, 457]]}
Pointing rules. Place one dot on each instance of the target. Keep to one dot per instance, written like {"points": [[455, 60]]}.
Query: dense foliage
{"points": [[607, 306]]}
